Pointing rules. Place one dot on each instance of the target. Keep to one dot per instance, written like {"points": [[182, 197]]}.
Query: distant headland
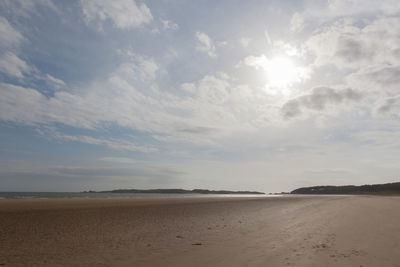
{"points": [[179, 191], [376, 189]]}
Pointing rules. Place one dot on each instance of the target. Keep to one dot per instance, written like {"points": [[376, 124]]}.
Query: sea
{"points": [[50, 195]]}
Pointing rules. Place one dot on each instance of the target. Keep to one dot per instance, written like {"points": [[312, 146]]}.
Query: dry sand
{"points": [[275, 231]]}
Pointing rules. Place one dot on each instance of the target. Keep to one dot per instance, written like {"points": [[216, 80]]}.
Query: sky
{"points": [[238, 95]]}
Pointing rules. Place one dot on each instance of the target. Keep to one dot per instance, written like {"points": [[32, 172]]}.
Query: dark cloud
{"points": [[198, 130], [385, 76], [352, 50], [389, 105], [318, 100]]}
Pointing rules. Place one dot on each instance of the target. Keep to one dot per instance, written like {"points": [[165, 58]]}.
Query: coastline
{"points": [[261, 231], [86, 195]]}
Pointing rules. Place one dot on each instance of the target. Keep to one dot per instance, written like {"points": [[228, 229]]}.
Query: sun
{"points": [[281, 72]]}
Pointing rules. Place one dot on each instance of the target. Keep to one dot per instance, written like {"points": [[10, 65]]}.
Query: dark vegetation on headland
{"points": [[178, 191], [376, 189]]}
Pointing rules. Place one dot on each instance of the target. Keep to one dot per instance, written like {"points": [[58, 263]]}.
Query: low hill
{"points": [[178, 191], [384, 189]]}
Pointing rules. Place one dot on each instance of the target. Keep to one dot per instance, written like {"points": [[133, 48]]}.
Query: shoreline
{"points": [[57, 203], [74, 195]]}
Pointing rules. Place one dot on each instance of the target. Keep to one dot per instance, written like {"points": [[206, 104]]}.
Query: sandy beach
{"points": [[271, 231]]}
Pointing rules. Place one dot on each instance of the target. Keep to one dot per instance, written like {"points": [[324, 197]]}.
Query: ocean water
{"points": [[46, 195]]}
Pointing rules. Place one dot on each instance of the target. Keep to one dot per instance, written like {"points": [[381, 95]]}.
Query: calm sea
{"points": [[38, 195]]}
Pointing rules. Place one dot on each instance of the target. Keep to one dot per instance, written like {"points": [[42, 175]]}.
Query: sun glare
{"points": [[281, 72]]}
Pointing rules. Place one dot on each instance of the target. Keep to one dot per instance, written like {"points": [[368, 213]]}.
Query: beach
{"points": [[288, 230]]}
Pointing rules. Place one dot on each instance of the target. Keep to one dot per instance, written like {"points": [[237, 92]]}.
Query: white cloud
{"points": [[188, 87], [354, 7], [25, 8], [129, 97], [370, 52], [222, 43], [339, 44], [113, 144], [317, 13], [136, 66], [9, 37], [167, 24], [12, 65], [10, 41], [256, 61], [349, 43], [297, 22], [22, 105], [53, 81], [216, 102], [245, 41], [123, 13], [365, 52], [205, 44]]}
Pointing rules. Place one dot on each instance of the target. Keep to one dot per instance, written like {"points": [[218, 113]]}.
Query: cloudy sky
{"points": [[241, 95]]}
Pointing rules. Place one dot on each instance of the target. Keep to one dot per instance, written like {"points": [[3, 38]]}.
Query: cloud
{"points": [[129, 97], [366, 52], [9, 37], [318, 100], [205, 44], [124, 14], [53, 81], [353, 50], [245, 41], [381, 78], [349, 44], [12, 65], [389, 106], [256, 62], [112, 144], [169, 25], [10, 41], [356, 7], [280, 49], [337, 44], [297, 22], [119, 98], [317, 13], [137, 171], [21, 105], [219, 103], [25, 8]]}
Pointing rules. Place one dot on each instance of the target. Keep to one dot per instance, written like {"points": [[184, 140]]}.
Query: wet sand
{"points": [[272, 231]]}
